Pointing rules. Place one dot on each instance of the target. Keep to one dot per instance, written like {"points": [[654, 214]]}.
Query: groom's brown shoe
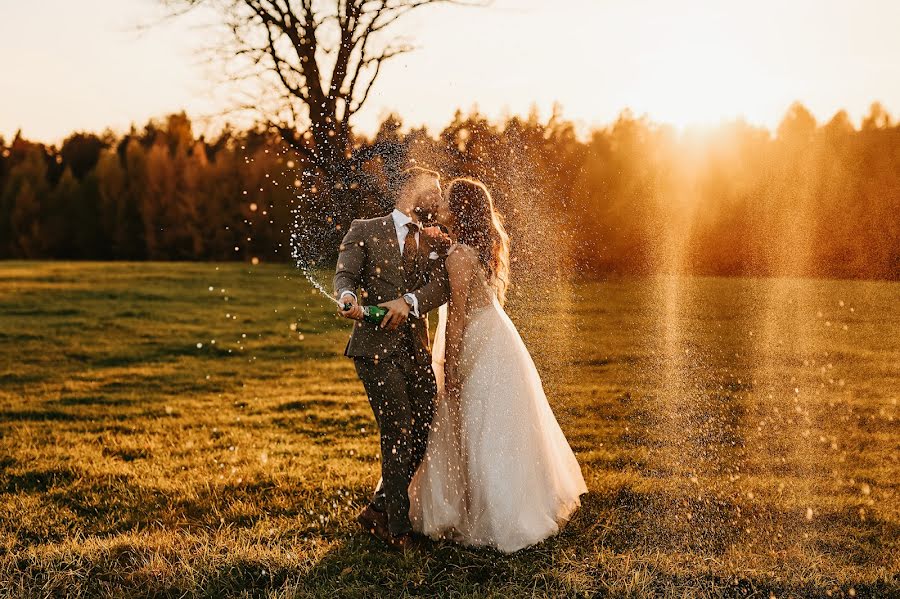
{"points": [[374, 522]]}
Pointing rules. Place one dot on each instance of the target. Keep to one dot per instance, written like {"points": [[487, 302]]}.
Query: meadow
{"points": [[192, 429]]}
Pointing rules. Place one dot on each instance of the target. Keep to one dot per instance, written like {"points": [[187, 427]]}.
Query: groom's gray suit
{"points": [[394, 366]]}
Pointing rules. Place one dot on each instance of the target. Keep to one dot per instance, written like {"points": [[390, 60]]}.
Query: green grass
{"points": [[736, 439]]}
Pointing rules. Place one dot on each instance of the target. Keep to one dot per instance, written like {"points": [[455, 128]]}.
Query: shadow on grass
{"points": [[42, 416], [38, 481], [42, 312], [307, 404], [357, 565], [361, 566], [94, 400], [155, 352], [19, 378]]}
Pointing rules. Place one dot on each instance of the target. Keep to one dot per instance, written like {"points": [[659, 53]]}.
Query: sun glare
{"points": [[700, 75]]}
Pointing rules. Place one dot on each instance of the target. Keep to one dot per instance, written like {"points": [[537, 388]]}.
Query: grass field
{"points": [[164, 432]]}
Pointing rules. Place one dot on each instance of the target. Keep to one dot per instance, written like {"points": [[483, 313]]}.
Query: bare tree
{"points": [[318, 61]]}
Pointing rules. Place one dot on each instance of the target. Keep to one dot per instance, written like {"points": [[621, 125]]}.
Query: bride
{"points": [[498, 470]]}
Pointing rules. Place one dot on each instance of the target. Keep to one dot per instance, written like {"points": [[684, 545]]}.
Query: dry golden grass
{"points": [[736, 438]]}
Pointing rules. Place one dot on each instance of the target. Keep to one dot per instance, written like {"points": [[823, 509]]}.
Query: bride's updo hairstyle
{"points": [[479, 226]]}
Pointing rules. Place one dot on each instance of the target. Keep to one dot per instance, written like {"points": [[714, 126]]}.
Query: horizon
{"points": [[582, 131]]}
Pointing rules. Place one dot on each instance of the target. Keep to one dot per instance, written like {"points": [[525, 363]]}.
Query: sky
{"points": [[88, 65]]}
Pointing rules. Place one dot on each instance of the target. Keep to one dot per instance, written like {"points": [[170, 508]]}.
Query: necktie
{"points": [[410, 250]]}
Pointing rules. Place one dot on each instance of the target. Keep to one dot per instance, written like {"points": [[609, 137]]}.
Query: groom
{"points": [[388, 261]]}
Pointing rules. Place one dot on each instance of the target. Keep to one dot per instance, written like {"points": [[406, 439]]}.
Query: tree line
{"points": [[634, 197]]}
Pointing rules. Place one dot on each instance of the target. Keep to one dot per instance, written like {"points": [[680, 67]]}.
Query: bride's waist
{"points": [[483, 325], [478, 311]]}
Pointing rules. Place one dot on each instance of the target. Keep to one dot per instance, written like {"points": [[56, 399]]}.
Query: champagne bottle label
{"points": [[373, 314]]}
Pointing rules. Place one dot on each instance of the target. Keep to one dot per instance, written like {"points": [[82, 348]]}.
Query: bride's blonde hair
{"points": [[480, 226]]}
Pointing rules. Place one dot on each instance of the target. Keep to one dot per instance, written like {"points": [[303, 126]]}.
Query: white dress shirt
{"points": [[400, 221]]}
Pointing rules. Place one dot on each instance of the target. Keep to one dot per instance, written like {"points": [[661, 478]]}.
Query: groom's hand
{"points": [[437, 234], [354, 312], [398, 312]]}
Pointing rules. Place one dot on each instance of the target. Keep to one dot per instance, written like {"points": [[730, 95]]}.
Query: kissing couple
{"points": [[470, 449]]}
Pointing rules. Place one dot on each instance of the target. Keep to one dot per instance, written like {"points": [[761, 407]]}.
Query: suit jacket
{"points": [[370, 264]]}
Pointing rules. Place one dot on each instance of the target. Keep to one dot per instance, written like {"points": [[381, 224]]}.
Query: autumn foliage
{"points": [[810, 199]]}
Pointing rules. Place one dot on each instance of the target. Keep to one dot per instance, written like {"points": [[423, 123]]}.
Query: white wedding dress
{"points": [[498, 470]]}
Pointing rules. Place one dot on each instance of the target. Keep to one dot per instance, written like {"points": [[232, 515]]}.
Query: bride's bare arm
{"points": [[459, 272]]}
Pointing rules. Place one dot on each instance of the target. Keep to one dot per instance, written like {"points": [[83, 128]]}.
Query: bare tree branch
{"points": [[314, 63]]}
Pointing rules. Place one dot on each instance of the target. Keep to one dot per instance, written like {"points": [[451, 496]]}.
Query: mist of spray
{"points": [[313, 237], [315, 225]]}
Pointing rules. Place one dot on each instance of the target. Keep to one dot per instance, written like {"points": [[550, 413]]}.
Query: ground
{"points": [[173, 429]]}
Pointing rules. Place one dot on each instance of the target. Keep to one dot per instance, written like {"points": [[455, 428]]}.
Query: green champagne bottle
{"points": [[373, 314]]}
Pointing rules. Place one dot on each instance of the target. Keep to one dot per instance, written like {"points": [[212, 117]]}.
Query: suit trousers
{"points": [[401, 392]]}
